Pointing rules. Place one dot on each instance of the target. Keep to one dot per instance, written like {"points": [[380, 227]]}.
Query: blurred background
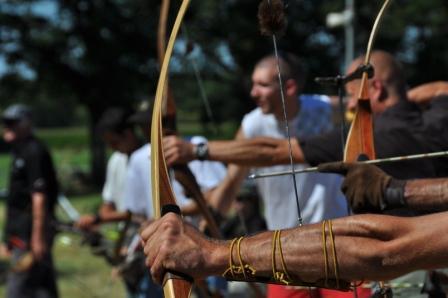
{"points": [[71, 59]]}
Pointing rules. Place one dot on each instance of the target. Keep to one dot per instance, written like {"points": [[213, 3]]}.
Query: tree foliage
{"points": [[101, 53]]}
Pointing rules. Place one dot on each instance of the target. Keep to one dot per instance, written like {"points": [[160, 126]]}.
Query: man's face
{"points": [[352, 92], [14, 130], [120, 142], [265, 89], [375, 89]]}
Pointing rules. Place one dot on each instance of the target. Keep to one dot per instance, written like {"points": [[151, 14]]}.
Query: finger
{"points": [[171, 154], [149, 230], [333, 167], [151, 252], [168, 141], [157, 269]]}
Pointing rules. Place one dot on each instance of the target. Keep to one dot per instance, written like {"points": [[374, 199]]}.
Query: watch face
{"points": [[201, 151]]}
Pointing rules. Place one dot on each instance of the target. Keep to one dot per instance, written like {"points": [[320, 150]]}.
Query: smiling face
{"points": [[265, 89]]}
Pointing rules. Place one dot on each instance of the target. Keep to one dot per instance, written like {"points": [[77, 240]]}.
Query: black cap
{"points": [[16, 112]]}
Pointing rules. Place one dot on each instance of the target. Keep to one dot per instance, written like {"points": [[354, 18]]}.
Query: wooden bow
{"points": [[162, 192], [359, 144], [182, 172]]}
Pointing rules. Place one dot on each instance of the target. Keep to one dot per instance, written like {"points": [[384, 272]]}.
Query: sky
{"points": [[43, 8]]}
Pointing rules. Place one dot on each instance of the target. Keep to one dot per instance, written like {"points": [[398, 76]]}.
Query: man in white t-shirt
{"points": [[113, 188], [308, 115], [137, 193], [319, 194], [119, 135]]}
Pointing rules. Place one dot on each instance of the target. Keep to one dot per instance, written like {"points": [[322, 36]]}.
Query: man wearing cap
{"points": [[33, 190]]}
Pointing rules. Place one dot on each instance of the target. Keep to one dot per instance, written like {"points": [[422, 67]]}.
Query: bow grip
{"points": [[170, 208], [171, 275]]}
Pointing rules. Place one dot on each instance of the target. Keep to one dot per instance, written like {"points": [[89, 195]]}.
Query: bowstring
{"points": [[287, 130]]}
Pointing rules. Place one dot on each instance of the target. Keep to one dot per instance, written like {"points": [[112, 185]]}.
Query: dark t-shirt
{"points": [[436, 132], [31, 171], [398, 131]]}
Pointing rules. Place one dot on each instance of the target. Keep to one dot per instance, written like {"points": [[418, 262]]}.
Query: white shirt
{"points": [[113, 189], [319, 194], [138, 194]]}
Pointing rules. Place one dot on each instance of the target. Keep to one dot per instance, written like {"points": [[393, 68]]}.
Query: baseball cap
{"points": [[16, 112]]}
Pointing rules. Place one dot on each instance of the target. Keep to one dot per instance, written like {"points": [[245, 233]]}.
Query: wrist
{"points": [[218, 259], [96, 219], [393, 196], [200, 151]]}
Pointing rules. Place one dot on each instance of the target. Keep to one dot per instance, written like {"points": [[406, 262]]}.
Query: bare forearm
{"points": [[260, 151], [427, 194], [108, 213], [371, 247], [39, 214]]}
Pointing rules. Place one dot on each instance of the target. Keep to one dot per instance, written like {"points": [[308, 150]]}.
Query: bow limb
{"points": [[162, 192], [359, 144], [168, 106], [161, 31], [182, 173]]}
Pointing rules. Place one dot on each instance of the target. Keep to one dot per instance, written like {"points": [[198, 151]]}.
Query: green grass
{"points": [[66, 137], [4, 172]]}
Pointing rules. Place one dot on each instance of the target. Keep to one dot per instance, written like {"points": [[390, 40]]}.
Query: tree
{"points": [[103, 53]]}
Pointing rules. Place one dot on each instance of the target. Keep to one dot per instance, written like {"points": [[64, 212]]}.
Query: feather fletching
{"points": [[271, 17]]}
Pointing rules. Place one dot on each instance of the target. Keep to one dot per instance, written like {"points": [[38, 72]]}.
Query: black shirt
{"points": [[436, 132], [31, 171], [398, 131]]}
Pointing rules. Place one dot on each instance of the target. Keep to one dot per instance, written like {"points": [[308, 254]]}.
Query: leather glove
{"points": [[367, 188]]}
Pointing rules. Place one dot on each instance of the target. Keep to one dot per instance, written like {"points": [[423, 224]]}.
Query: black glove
{"points": [[367, 188]]}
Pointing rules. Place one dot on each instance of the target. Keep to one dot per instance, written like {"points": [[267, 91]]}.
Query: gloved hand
{"points": [[367, 188]]}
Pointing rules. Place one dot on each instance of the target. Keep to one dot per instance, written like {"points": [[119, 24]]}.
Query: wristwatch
{"points": [[201, 151]]}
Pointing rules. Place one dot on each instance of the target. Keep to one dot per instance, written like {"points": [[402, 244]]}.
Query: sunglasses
{"points": [[10, 122]]}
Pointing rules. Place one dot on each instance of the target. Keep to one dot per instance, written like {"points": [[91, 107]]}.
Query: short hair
{"points": [[387, 69], [291, 66], [114, 120]]}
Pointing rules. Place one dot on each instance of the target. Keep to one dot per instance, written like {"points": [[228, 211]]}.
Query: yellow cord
{"points": [[243, 268], [285, 271], [238, 250], [274, 265], [231, 266], [333, 248], [324, 246]]}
